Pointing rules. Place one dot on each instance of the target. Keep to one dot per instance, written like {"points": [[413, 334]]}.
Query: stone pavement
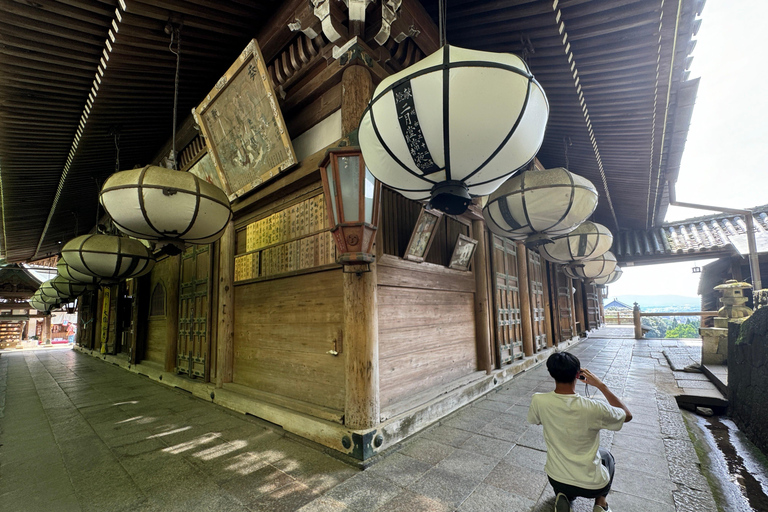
{"points": [[79, 434]]}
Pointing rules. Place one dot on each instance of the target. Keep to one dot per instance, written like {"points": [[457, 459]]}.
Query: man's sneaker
{"points": [[562, 504], [598, 508]]}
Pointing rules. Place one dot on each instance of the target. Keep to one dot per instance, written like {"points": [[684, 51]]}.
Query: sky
{"points": [[724, 159]]}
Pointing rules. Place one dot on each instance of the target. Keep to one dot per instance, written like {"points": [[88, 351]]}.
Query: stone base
{"points": [[714, 346]]}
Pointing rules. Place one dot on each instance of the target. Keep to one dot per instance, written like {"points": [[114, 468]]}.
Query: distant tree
{"points": [[684, 330]]}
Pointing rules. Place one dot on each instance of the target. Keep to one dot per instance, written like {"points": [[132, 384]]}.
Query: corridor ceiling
{"points": [[74, 71]]}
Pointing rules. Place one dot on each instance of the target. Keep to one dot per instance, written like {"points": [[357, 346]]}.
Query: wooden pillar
{"points": [[547, 302], [482, 298], [361, 346], [225, 331], [356, 91], [140, 316], [578, 299], [525, 299], [46, 334], [638, 323], [172, 312], [602, 306]]}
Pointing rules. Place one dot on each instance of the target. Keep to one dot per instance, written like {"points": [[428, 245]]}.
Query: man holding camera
{"points": [[576, 465]]}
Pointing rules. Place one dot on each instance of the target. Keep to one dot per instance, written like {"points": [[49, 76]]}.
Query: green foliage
{"points": [[662, 327]]}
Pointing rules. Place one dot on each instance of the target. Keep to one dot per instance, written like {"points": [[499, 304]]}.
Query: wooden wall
{"points": [[157, 329], [426, 328], [284, 329]]}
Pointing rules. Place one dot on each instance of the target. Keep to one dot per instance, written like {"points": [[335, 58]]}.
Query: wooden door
{"points": [[506, 298], [593, 307], [562, 287], [192, 354], [536, 292]]}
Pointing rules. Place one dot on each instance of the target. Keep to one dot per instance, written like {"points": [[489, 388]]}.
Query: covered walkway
{"points": [[77, 433]]}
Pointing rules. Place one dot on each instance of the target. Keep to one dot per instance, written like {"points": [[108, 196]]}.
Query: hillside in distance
{"points": [[660, 301]]}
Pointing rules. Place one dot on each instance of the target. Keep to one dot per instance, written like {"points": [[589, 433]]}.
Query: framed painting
{"points": [[462, 253], [243, 126], [205, 170], [422, 236]]}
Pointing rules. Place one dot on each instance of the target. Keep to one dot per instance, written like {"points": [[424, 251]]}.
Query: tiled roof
{"points": [[699, 235]]}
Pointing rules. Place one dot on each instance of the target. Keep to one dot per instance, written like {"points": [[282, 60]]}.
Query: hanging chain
{"points": [[442, 21], [567, 142], [116, 134], [177, 33]]}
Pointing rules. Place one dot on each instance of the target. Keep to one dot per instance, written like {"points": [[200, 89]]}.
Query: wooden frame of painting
{"points": [[243, 126], [463, 252], [422, 236], [204, 169]]}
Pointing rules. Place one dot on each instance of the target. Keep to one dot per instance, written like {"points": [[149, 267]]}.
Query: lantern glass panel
{"points": [[370, 190], [349, 175], [332, 192]]}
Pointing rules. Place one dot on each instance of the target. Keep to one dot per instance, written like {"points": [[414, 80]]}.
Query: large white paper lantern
{"points": [[156, 203], [49, 294], [610, 278], [588, 241], [70, 274], [537, 206], [41, 304], [454, 125], [69, 289], [596, 268], [108, 257]]}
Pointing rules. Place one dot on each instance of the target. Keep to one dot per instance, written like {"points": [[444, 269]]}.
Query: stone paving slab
{"points": [[105, 439]]}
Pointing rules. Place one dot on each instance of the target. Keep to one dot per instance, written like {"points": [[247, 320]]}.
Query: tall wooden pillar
{"points": [[482, 307], [361, 346], [547, 303], [46, 334], [525, 299], [225, 331], [172, 312], [578, 299], [356, 92], [600, 303]]}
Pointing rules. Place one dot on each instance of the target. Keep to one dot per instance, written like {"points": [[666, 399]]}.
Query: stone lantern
{"points": [[714, 340]]}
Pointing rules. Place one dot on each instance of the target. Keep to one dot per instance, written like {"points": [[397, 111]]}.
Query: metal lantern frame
{"points": [[523, 228], [75, 251], [590, 240], [354, 238], [144, 188], [70, 274]]}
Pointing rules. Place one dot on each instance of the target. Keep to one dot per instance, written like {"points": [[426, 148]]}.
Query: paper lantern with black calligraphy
{"points": [[455, 125]]}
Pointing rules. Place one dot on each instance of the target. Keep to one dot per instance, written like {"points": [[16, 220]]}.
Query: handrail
{"points": [[637, 314]]}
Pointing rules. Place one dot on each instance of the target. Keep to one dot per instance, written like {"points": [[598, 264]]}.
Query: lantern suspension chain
{"points": [[442, 21], [175, 31], [567, 142]]}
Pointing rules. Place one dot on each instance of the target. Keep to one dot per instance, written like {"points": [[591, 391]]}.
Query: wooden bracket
{"points": [[330, 17]]}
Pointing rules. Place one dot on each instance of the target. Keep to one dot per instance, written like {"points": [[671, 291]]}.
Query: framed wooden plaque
{"points": [[462, 253], [422, 236], [243, 126], [205, 170]]}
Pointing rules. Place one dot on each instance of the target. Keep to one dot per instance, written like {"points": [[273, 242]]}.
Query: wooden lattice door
{"points": [[194, 312], [536, 292], [563, 288], [509, 335], [593, 307]]}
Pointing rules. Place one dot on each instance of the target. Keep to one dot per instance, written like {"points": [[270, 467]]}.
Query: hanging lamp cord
{"points": [[567, 142], [443, 21], [175, 32], [117, 151]]}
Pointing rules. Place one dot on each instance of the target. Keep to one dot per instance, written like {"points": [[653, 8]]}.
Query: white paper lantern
{"points": [[588, 241], [454, 125], [49, 294], [609, 279], [568, 271], [596, 268], [156, 203], [108, 257], [70, 274], [69, 289], [41, 304], [537, 206]]}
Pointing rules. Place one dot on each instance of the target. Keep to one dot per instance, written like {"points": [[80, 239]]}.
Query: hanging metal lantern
{"points": [[596, 268], [108, 257], [453, 126], [537, 206], [70, 274], [155, 203], [70, 289], [611, 278], [588, 241]]}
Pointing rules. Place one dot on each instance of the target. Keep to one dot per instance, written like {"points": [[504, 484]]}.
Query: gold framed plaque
{"points": [[422, 236], [243, 126]]}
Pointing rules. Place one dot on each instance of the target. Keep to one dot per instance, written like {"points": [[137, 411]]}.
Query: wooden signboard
{"points": [[463, 252], [243, 126], [422, 236], [205, 170]]}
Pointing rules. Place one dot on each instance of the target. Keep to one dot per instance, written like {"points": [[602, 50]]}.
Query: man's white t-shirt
{"points": [[572, 425]]}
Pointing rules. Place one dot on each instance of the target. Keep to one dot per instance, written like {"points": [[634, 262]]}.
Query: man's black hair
{"points": [[563, 366]]}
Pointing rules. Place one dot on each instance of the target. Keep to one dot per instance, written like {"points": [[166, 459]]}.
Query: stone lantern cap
{"points": [[732, 287], [733, 299]]}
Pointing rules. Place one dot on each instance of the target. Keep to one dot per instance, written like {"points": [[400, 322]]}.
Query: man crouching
{"points": [[576, 465]]}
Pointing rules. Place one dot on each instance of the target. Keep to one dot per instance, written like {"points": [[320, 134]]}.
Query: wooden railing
{"points": [[618, 317], [637, 315]]}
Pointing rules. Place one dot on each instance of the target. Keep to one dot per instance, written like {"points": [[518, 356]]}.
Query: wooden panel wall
{"points": [[426, 327], [158, 325], [284, 329]]}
